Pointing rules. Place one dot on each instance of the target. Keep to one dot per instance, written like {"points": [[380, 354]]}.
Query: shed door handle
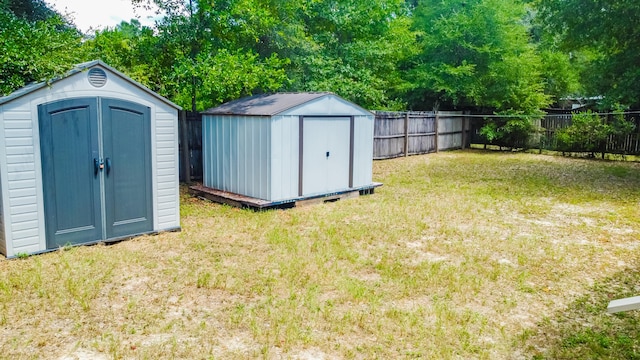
{"points": [[97, 165], [108, 162], [327, 154]]}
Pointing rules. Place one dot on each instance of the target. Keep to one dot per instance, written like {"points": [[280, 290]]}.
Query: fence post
{"points": [[184, 144], [464, 131], [406, 134], [437, 132]]}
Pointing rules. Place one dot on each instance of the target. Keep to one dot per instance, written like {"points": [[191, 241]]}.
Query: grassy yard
{"points": [[459, 255]]}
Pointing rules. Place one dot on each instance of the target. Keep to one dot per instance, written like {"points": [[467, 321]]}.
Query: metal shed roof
{"points": [[265, 104], [79, 68]]}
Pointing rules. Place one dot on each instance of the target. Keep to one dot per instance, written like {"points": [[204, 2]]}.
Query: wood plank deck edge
{"points": [[242, 201]]}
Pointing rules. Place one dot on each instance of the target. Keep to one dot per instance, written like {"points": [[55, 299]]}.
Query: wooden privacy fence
{"points": [[410, 133], [395, 134], [557, 120], [190, 129]]}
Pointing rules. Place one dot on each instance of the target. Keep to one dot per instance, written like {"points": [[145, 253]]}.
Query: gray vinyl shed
{"points": [[91, 156], [287, 146]]}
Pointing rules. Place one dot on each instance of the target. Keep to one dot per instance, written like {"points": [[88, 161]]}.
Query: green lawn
{"points": [[463, 254]]}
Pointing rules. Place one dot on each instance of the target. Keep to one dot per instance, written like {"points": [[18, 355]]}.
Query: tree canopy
{"points": [[35, 43], [504, 56], [605, 36], [475, 53]]}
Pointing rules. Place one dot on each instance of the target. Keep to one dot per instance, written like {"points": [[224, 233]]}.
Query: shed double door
{"points": [[96, 170], [326, 154]]}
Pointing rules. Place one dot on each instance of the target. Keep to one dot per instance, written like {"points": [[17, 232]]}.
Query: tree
{"points": [[36, 46], [204, 52], [475, 54], [349, 47], [30, 10], [353, 49], [133, 49], [561, 73], [608, 33]]}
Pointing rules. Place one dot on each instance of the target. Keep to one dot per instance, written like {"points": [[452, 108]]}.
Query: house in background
{"points": [[89, 157]]}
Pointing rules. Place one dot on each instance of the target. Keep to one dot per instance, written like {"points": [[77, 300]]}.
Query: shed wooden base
{"points": [[242, 201]]}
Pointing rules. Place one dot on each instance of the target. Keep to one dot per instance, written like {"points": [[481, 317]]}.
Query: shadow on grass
{"points": [[506, 175], [569, 154], [585, 330]]}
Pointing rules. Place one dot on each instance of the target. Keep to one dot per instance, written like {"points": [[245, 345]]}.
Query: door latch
{"points": [[327, 154], [98, 165]]}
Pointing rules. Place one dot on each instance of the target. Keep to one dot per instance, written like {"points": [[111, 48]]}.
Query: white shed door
{"points": [[325, 154]]}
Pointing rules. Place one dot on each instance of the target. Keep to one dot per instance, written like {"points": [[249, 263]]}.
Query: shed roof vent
{"points": [[97, 77]]}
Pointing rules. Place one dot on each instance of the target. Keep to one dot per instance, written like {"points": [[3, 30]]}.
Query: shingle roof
{"points": [[265, 104]]}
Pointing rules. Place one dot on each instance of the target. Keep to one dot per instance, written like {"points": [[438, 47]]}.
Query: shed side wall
{"points": [[284, 157], [3, 242], [25, 234], [236, 154], [167, 214], [363, 150]]}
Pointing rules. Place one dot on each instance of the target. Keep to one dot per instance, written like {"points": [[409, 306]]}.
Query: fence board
{"points": [[395, 134], [555, 121], [421, 136], [194, 140]]}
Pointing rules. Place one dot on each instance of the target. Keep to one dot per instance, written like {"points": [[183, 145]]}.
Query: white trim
{"points": [[154, 166]]}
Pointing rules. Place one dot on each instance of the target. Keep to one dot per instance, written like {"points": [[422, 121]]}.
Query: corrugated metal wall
{"points": [[258, 156], [236, 153], [284, 157], [363, 150]]}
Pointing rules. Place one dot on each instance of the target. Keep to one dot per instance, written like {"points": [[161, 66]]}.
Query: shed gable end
{"points": [[327, 105]]}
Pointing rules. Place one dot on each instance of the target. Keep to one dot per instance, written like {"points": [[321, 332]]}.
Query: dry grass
{"points": [[458, 255]]}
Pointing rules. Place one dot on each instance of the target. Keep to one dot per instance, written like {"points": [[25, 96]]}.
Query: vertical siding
{"points": [[258, 156], [363, 150], [3, 239], [166, 144], [449, 130], [236, 153], [284, 157], [22, 214]]}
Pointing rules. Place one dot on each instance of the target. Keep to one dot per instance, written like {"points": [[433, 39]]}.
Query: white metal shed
{"points": [[88, 157], [288, 146]]}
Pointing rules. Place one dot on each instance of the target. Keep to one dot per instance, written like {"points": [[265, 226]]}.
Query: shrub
{"points": [[510, 132], [589, 132]]}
